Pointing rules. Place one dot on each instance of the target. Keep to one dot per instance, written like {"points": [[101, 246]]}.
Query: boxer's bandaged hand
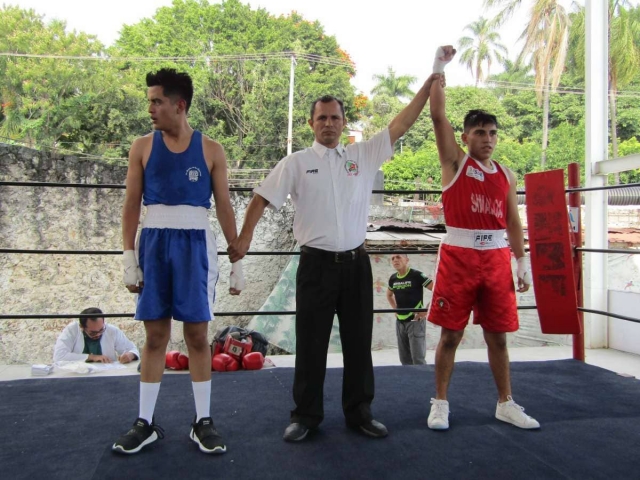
{"points": [[523, 272], [236, 279], [132, 272], [440, 61]]}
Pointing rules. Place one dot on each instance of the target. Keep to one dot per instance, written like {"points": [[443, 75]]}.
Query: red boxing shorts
{"points": [[474, 280]]}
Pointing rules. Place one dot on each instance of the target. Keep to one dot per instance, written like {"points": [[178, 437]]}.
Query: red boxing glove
{"points": [[217, 348], [224, 363], [253, 361], [171, 360], [237, 348], [183, 361]]}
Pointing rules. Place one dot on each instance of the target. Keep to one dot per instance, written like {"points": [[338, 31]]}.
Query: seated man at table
{"points": [[93, 340]]}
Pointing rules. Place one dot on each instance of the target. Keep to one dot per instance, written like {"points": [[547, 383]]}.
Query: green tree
{"points": [[521, 157], [546, 38], [393, 85], [413, 170], [43, 98], [483, 47], [71, 105], [630, 147], [628, 114], [566, 145], [624, 55], [241, 61], [514, 77], [379, 112]]}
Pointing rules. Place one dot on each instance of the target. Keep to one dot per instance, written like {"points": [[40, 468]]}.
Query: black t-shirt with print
{"points": [[408, 291]]}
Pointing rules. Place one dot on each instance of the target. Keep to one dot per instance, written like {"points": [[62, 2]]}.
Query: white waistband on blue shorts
{"points": [[476, 239], [185, 217]]}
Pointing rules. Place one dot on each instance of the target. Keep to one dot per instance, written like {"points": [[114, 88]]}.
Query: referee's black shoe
{"points": [[371, 428], [295, 432]]}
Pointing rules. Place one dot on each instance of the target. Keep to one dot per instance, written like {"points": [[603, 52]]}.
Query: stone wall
{"points": [[90, 219]]}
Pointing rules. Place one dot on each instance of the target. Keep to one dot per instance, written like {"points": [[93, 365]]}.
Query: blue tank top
{"points": [[177, 178]]}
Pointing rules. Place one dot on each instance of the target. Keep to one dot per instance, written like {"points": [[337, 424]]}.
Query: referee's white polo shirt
{"points": [[330, 190]]}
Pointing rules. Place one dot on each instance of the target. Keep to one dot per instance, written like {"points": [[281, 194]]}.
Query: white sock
{"points": [[148, 397], [202, 396]]}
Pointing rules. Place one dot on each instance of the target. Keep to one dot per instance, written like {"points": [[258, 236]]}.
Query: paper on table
{"points": [[85, 368]]}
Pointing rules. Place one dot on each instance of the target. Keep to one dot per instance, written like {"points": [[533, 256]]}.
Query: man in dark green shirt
{"points": [[406, 290]]}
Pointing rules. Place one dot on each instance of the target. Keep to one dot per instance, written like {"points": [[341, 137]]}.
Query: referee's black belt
{"points": [[337, 257]]}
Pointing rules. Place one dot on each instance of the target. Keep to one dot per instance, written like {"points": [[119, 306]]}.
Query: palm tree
{"points": [[624, 55], [546, 38], [515, 75], [392, 85], [481, 48]]}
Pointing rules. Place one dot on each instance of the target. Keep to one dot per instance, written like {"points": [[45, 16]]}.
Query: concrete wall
{"points": [[89, 219]]}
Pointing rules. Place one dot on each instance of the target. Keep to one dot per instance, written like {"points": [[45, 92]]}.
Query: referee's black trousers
{"points": [[325, 287]]}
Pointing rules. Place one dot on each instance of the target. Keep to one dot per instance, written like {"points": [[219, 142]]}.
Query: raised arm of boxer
{"points": [[448, 149], [407, 117]]}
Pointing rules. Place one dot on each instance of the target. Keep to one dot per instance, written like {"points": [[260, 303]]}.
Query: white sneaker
{"points": [[439, 415], [513, 413]]}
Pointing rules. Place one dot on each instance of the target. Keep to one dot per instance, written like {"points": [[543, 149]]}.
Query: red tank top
{"points": [[476, 198]]}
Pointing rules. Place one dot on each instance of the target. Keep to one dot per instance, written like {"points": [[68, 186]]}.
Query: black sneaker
{"points": [[140, 435], [204, 433]]}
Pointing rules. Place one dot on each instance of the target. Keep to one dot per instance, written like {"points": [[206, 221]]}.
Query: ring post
{"points": [[576, 231]]}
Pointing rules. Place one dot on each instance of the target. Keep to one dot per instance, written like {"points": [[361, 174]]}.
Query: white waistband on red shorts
{"points": [[182, 217], [476, 239]]}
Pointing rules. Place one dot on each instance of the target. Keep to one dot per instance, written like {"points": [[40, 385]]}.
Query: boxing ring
{"points": [[589, 416], [64, 428]]}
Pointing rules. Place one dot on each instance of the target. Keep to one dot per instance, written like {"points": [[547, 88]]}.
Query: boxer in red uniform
{"points": [[473, 272]]}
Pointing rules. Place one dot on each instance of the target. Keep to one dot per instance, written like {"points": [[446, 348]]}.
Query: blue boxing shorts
{"points": [[177, 254]]}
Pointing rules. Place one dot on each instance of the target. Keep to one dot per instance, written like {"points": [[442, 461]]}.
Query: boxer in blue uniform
{"points": [[173, 265]]}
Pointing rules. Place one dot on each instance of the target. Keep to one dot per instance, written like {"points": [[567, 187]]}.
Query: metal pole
{"points": [[290, 129], [597, 137], [576, 231]]}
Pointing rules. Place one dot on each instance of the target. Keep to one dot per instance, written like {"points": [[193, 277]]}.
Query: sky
{"points": [[402, 34]]}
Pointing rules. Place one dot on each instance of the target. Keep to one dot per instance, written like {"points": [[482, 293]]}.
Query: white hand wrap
{"points": [[132, 273], [439, 62], [236, 278], [524, 273]]}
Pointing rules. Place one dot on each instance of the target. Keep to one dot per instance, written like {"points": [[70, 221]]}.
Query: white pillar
{"points": [[596, 234], [290, 129]]}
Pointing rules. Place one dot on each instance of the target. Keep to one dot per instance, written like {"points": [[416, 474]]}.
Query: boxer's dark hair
{"points": [[327, 99], [475, 118], [87, 311], [173, 83]]}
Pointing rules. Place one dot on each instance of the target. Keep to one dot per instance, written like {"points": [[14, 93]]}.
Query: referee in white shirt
{"points": [[330, 187]]}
